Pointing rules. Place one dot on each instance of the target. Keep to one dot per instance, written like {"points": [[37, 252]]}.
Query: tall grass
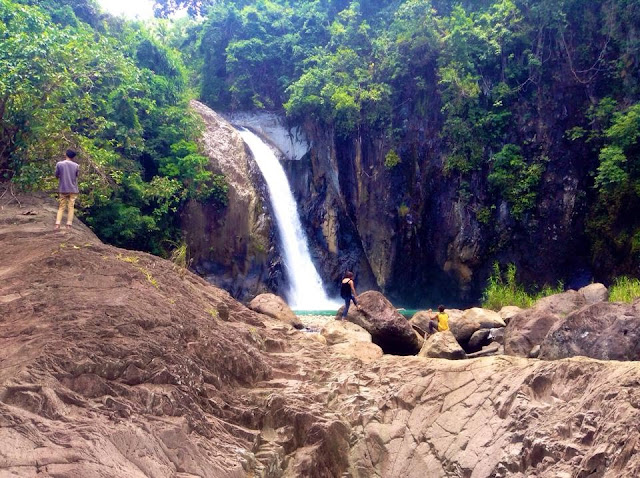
{"points": [[503, 289], [180, 256], [624, 289]]}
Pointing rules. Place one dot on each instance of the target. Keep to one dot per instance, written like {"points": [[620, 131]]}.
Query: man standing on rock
{"points": [[67, 174]]}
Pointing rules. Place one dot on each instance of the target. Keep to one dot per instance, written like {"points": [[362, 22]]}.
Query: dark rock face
{"points": [[231, 247], [388, 329], [414, 224], [605, 331], [407, 231], [335, 242]]}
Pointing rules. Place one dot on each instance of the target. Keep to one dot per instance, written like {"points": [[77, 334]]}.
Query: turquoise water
{"points": [[316, 312], [408, 313]]}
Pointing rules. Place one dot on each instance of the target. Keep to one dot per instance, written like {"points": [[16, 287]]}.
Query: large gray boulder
{"points": [[604, 330], [561, 304], [275, 307], [526, 330], [508, 312], [388, 329], [529, 328], [479, 339]]}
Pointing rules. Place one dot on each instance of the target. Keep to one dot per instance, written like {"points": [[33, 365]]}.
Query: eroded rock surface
{"points": [[115, 364], [500, 417]]}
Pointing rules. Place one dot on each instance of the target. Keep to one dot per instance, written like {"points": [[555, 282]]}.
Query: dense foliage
{"points": [[512, 89], [514, 92], [71, 78], [503, 290]]}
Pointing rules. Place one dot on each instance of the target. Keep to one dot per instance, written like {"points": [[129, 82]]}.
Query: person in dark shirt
{"points": [[67, 174], [348, 292]]}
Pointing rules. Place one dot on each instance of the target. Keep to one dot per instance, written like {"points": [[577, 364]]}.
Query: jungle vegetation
{"points": [[507, 84], [71, 77]]}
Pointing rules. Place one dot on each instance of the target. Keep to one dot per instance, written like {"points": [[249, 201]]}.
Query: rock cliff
{"points": [[418, 225], [232, 247], [116, 363]]}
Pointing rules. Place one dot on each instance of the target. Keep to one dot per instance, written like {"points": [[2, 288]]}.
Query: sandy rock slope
{"points": [[114, 363]]}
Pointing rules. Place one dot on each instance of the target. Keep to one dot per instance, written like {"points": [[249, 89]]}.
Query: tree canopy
{"points": [[117, 95]]}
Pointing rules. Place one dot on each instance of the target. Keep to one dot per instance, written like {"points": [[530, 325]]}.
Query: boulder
{"points": [[472, 320], [529, 328], [561, 304], [275, 307], [508, 312], [342, 331], [420, 320], [479, 339], [594, 293], [388, 329], [442, 345], [497, 335], [526, 330], [366, 352], [604, 330]]}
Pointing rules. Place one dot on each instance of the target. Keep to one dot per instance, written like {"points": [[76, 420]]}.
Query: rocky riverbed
{"points": [[115, 363]]}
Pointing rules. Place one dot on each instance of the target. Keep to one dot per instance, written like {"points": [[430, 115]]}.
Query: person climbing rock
{"points": [[439, 322], [348, 292], [67, 174]]}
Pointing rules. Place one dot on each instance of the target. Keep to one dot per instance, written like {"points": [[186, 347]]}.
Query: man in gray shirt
{"points": [[67, 174]]}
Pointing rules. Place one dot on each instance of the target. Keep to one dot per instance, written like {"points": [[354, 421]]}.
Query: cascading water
{"points": [[305, 286]]}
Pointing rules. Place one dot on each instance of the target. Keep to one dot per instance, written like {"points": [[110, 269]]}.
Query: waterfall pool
{"points": [[408, 313], [313, 320]]}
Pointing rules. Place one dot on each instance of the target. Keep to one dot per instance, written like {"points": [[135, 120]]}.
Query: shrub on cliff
{"points": [[624, 289], [504, 290]]}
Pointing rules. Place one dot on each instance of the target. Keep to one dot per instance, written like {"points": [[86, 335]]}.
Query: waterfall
{"points": [[305, 285]]}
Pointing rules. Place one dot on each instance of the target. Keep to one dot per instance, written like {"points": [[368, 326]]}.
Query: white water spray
{"points": [[305, 286]]}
